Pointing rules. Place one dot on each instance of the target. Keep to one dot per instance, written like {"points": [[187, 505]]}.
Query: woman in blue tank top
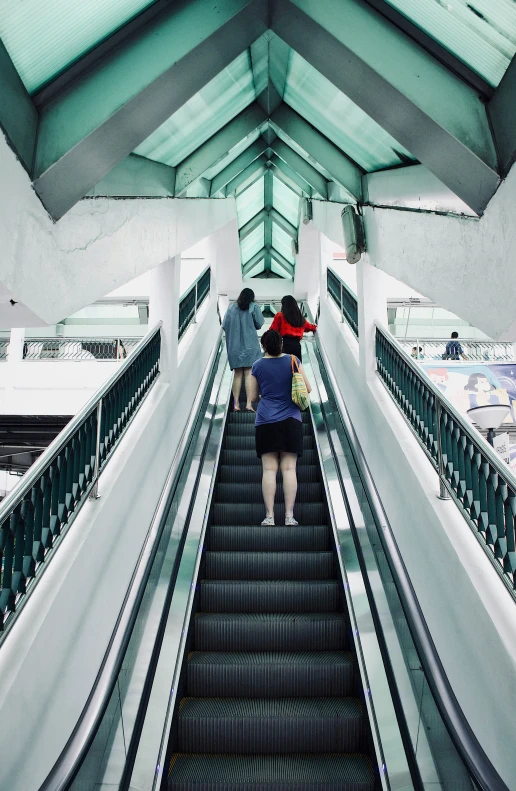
{"points": [[279, 433]]}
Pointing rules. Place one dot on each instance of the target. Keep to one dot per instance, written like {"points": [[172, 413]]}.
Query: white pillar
{"points": [[372, 307], [308, 266], [164, 306], [223, 255], [16, 341]]}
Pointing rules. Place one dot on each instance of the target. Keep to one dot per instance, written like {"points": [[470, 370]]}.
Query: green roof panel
{"points": [[481, 33], [44, 38], [314, 97], [282, 242], [285, 201], [250, 202], [252, 244]]}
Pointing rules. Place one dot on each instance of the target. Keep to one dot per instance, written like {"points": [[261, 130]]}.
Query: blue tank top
{"points": [[274, 376]]}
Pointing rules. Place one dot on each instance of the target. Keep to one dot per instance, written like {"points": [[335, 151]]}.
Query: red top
{"points": [[281, 325]]}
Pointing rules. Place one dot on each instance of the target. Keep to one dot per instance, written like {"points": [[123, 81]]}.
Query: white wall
{"points": [[466, 606], [467, 266]]}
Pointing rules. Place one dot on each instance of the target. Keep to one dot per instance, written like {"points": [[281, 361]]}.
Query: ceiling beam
{"points": [[237, 166], [270, 52], [18, 116], [268, 202], [289, 177], [251, 226], [248, 176], [282, 261], [502, 113], [91, 127], [323, 151], [137, 177], [217, 147], [425, 107], [283, 223], [257, 257], [302, 167]]}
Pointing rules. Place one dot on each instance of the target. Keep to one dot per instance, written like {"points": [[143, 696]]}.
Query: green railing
{"points": [[479, 482], [192, 300], [37, 513], [345, 300]]}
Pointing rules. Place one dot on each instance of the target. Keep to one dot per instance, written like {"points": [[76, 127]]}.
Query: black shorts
{"points": [[292, 345], [284, 436]]}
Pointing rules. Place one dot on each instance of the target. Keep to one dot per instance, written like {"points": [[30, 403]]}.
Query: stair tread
{"points": [[251, 492], [272, 616], [269, 565], [258, 538], [279, 658], [347, 707]]}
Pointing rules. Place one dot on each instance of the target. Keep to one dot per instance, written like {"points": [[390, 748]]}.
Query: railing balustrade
{"points": [[480, 483], [48, 497], [345, 300], [192, 301], [4, 348], [476, 351], [78, 349]]}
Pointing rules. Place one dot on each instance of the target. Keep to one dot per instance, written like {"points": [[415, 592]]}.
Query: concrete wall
{"points": [[51, 657], [468, 610], [467, 266], [53, 269]]}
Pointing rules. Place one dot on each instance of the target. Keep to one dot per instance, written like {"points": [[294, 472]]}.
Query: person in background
{"points": [[279, 429], [241, 321], [415, 355], [291, 325], [453, 348]]}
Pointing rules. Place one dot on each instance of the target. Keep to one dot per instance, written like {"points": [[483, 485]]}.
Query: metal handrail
{"points": [[345, 293], [461, 733], [90, 719]]}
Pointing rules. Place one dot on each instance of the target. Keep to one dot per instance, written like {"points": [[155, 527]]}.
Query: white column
{"points": [[308, 266], [372, 307], [16, 341], [223, 255], [164, 306]]}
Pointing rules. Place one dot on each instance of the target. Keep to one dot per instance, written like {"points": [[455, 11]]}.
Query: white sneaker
{"points": [[290, 521], [268, 521]]}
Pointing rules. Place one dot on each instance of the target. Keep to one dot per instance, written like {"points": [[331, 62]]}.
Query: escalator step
{"points": [[252, 473], [273, 675], [247, 429], [270, 631], [281, 596], [242, 458], [248, 443], [249, 417], [338, 772], [254, 513], [252, 493], [268, 539], [269, 565], [270, 725]]}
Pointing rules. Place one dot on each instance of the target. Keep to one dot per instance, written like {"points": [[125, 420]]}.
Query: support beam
{"points": [[253, 261], [302, 167], [341, 169], [290, 177], [137, 177], [250, 174], [267, 228], [283, 223], [91, 127], [252, 225], [502, 113], [239, 164], [269, 61], [426, 108], [217, 147], [18, 116], [281, 261]]}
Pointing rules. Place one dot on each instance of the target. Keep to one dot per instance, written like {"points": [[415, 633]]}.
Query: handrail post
{"points": [[95, 490], [443, 491]]}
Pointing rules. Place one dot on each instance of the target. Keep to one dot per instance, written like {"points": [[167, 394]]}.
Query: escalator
{"points": [[271, 690]]}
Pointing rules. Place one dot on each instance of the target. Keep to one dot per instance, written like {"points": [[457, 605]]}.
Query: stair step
{"points": [[258, 596], [248, 443], [268, 674], [254, 513], [339, 772], [247, 429], [270, 631], [249, 417], [308, 473], [268, 539], [269, 565], [252, 493], [270, 725], [242, 458]]}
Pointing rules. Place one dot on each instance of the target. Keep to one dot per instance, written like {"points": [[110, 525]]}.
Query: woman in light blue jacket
{"points": [[240, 323]]}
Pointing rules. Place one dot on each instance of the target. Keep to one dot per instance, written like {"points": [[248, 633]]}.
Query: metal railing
{"points": [[476, 351], [345, 300], [37, 513], [4, 348], [78, 349], [479, 482], [192, 301]]}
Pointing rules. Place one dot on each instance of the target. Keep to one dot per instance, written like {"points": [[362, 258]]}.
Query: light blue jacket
{"points": [[241, 339]]}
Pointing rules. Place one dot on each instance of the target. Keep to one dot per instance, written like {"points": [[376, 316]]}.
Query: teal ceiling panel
{"points": [[250, 202], [339, 119], [481, 33], [278, 270], [285, 201], [43, 38], [257, 270], [223, 98], [282, 242], [252, 244], [232, 155]]}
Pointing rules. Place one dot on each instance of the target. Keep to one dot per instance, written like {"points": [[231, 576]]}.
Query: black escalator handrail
{"points": [[461, 733], [75, 750]]}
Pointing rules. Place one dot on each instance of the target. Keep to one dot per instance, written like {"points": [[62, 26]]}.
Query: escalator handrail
{"points": [[461, 733], [75, 750]]}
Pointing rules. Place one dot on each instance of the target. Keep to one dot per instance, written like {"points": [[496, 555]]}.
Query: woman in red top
{"points": [[291, 324]]}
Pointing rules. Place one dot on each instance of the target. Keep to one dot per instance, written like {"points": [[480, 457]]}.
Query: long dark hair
{"points": [[272, 343], [290, 310], [245, 298], [473, 382]]}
